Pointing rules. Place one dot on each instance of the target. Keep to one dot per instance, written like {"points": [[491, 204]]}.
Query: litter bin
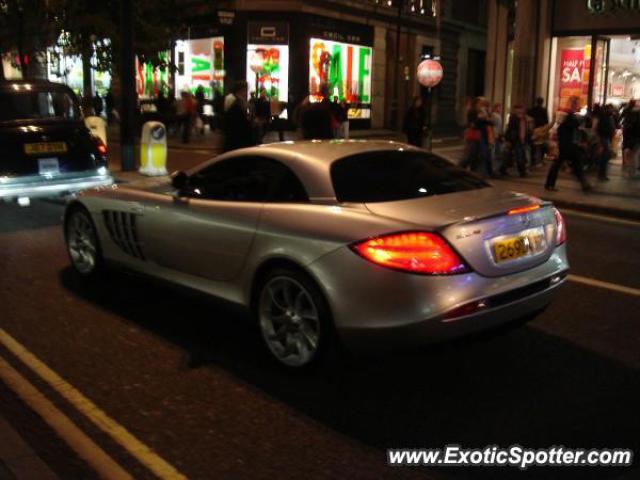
{"points": [[97, 126], [153, 149]]}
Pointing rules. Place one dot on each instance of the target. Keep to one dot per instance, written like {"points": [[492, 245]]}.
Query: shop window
{"points": [[200, 63], [268, 72], [624, 70], [572, 71], [345, 70]]}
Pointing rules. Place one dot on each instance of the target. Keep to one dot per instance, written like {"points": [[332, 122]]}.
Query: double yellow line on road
{"points": [[77, 440]]}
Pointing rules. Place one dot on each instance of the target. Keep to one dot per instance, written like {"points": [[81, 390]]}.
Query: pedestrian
{"points": [[97, 104], [186, 112], [236, 124], [630, 139], [518, 135], [344, 119], [200, 102], [414, 122], [110, 104], [262, 115], [541, 127], [569, 144], [477, 135], [498, 133], [316, 119], [604, 129]]}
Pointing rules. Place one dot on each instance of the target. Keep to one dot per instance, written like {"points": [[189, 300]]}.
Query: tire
{"points": [[83, 244], [293, 319]]}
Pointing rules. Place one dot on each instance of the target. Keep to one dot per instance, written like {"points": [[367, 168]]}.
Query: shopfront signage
{"points": [[613, 6], [345, 70], [268, 33]]}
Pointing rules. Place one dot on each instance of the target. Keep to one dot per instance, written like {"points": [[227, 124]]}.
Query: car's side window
{"points": [[247, 179]]}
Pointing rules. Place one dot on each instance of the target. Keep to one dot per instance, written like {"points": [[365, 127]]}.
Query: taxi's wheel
{"points": [[83, 245], [293, 318]]}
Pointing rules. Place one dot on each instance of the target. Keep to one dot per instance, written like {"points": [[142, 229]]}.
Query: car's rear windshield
{"points": [[25, 104], [386, 176]]}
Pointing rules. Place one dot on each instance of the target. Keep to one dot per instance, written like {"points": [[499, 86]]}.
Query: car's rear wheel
{"points": [[83, 245], [293, 318]]}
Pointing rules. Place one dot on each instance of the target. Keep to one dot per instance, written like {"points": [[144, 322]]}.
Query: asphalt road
{"points": [[185, 375]]}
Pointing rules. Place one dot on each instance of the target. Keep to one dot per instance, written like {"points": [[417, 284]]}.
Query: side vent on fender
{"points": [[123, 232]]}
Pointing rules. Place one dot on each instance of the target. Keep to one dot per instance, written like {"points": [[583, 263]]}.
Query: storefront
{"points": [[595, 52], [288, 55]]}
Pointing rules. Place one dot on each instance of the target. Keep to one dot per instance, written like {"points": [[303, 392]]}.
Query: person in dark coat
{"points": [[414, 122], [605, 129], [316, 119], [200, 102], [540, 118], [518, 135], [570, 149], [110, 104], [262, 115], [236, 125]]}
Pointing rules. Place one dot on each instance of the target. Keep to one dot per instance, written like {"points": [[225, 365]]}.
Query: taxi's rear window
{"points": [[24, 104], [387, 176]]}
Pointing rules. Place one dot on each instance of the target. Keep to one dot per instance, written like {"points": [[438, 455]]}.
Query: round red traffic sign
{"points": [[430, 73]]}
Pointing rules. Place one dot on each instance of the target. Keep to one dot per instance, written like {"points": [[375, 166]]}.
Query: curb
{"points": [[596, 209]]}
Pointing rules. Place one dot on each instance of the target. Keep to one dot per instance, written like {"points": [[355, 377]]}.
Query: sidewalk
{"points": [[17, 460], [619, 197]]}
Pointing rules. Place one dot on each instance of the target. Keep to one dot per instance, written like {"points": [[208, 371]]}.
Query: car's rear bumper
{"points": [[39, 186], [375, 306], [442, 328]]}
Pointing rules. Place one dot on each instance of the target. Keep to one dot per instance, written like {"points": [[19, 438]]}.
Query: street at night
{"points": [[187, 376], [319, 239]]}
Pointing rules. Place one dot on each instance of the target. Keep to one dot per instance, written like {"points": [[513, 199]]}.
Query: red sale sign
{"points": [[571, 74]]}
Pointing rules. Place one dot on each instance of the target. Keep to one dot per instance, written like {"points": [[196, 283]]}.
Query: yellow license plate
{"points": [[45, 147], [525, 244]]}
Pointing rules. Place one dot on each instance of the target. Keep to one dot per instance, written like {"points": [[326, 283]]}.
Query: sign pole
{"points": [[128, 88]]}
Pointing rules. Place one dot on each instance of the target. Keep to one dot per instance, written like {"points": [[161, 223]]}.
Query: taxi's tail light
{"points": [[423, 253], [101, 147], [561, 228]]}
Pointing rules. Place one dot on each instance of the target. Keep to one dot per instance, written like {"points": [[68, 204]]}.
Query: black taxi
{"points": [[45, 148]]}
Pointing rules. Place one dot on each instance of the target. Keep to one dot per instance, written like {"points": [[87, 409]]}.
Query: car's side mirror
{"points": [[180, 181]]}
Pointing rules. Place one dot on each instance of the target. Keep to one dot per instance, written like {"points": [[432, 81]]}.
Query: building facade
{"points": [[559, 49], [366, 51]]}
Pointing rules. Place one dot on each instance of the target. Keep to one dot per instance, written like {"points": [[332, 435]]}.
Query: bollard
{"points": [[97, 126], [153, 149]]}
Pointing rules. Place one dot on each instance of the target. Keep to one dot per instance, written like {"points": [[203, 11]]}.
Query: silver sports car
{"points": [[327, 242]]}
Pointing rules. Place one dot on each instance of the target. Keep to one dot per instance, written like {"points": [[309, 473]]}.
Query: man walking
{"points": [[540, 117], [236, 125], [570, 149]]}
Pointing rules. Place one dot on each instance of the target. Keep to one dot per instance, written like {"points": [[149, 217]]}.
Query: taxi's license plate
{"points": [[45, 147], [48, 166], [524, 244]]}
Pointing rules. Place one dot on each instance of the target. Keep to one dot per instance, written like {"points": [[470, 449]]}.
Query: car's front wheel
{"points": [[83, 245], [293, 318]]}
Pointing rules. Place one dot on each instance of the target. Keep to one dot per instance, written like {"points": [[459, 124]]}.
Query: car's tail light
{"points": [[526, 209], [561, 228], [416, 252], [101, 147]]}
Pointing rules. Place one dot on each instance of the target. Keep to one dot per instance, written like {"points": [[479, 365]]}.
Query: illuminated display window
{"points": [[150, 79], [200, 62], [346, 71], [268, 70]]}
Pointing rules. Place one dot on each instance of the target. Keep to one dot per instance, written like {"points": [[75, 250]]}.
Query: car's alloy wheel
{"points": [[82, 242], [290, 321]]}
